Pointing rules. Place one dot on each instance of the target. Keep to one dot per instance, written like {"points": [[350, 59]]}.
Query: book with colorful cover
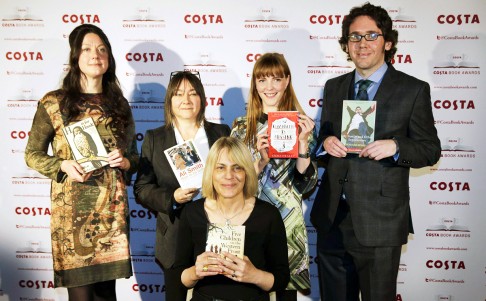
{"points": [[186, 163], [86, 144], [358, 124], [226, 237], [283, 133]]}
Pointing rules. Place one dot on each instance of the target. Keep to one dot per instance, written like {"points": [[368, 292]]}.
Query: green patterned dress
{"points": [[89, 221], [282, 185]]}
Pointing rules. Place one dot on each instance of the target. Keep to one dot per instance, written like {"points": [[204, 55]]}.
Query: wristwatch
{"points": [[304, 156]]}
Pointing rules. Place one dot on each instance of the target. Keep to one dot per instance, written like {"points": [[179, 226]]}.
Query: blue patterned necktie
{"points": [[362, 89]]}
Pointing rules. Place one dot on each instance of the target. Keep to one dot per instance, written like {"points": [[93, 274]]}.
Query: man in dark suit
{"points": [[361, 211]]}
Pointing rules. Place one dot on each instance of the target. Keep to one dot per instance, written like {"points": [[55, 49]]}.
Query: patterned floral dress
{"points": [[282, 185], [89, 228]]}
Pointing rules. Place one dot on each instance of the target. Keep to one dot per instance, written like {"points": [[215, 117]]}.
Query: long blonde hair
{"points": [[269, 64]]}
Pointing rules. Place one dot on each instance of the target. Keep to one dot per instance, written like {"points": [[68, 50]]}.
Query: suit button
{"points": [[341, 181]]}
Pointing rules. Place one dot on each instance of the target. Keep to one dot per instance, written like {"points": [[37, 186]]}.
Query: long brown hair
{"points": [[114, 103], [269, 64]]}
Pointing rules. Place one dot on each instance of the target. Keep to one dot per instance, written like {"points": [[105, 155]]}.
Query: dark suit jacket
{"points": [[377, 191], [156, 183]]}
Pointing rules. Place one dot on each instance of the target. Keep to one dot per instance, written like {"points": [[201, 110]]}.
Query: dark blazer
{"points": [[377, 191], [156, 183]]}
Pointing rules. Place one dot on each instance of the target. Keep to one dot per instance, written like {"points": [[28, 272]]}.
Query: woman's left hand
{"points": [[116, 159], [306, 125], [241, 270]]}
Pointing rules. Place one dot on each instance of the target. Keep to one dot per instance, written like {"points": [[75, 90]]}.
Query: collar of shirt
{"points": [[376, 78]]}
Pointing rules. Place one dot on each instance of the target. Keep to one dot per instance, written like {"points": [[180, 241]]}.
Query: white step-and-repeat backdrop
{"points": [[441, 42]]}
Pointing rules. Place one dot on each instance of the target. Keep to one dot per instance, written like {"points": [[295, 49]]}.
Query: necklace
{"points": [[228, 219]]}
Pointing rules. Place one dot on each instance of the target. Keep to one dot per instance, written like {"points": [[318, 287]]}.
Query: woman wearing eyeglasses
{"points": [[156, 185], [281, 181]]}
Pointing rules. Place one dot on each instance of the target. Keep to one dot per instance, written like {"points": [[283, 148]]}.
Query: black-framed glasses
{"points": [[372, 36], [196, 73]]}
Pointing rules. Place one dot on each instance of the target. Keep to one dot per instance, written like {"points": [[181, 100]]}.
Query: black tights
{"points": [[100, 291], [286, 295]]}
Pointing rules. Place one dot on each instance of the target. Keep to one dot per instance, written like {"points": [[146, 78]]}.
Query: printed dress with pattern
{"points": [[89, 229], [282, 185]]}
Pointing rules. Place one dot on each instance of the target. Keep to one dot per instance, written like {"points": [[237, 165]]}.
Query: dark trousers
{"points": [[347, 268], [174, 289]]}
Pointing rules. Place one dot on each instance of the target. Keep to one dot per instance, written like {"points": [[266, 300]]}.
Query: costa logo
{"points": [[252, 57], [148, 214], [447, 264], [144, 57], [214, 101], [81, 18], [203, 19], [401, 59], [34, 211], [24, 56], [37, 284], [322, 19], [398, 298], [148, 288], [454, 104], [451, 186], [458, 19], [316, 102], [19, 134]]}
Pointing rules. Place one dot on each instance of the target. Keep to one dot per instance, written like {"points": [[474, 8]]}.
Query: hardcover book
{"points": [[283, 133], [358, 124], [226, 237], [86, 144], [186, 163]]}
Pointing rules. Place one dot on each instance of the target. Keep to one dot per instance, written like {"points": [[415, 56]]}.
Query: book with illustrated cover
{"points": [[226, 237], [283, 134], [186, 163], [358, 124], [86, 144]]}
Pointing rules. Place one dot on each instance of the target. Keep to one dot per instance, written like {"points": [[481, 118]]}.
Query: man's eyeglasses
{"points": [[373, 36], [196, 73]]}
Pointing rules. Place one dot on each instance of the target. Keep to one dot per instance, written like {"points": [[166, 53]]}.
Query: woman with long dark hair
{"points": [[89, 228]]}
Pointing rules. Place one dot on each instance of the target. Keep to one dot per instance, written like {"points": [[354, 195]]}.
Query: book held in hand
{"points": [[86, 144], [283, 133], [186, 163], [226, 237], [358, 124]]}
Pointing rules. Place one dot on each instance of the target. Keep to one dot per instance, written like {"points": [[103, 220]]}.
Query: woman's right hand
{"points": [[207, 264], [262, 146], [75, 171], [184, 195]]}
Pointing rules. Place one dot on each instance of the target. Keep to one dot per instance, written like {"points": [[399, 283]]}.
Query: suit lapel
{"points": [[211, 133], [387, 86], [347, 87], [171, 139]]}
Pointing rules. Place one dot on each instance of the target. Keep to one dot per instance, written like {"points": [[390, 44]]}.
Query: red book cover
{"points": [[283, 133]]}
